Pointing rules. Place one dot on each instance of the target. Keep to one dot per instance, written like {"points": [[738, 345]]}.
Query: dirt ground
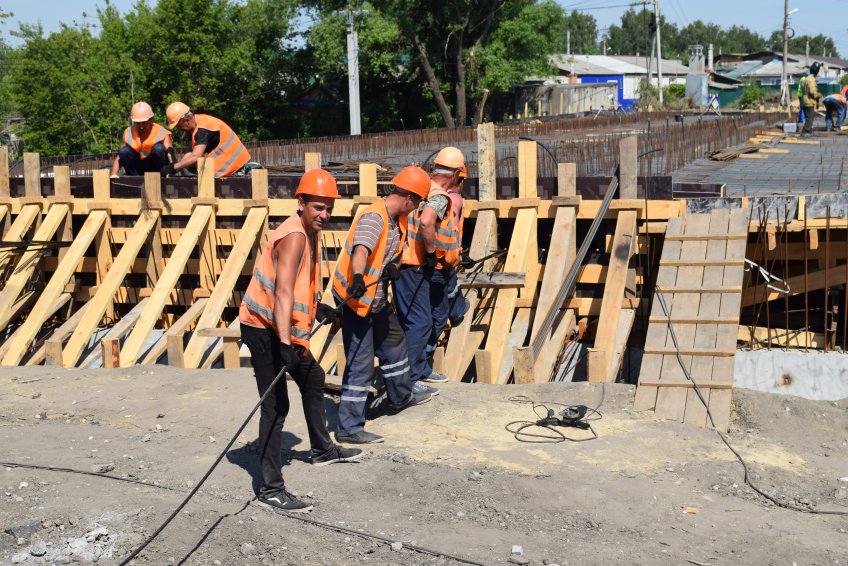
{"points": [[449, 478]]}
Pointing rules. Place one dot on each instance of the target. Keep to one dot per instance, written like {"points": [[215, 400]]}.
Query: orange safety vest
{"points": [[143, 147], [447, 244], [374, 264], [257, 306], [230, 155], [459, 215]]}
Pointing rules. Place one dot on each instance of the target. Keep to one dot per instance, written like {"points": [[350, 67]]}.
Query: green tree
{"points": [[752, 96], [819, 44], [584, 33], [739, 39], [635, 32], [701, 33]]}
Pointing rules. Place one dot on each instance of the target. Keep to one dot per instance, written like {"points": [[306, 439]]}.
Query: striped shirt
{"points": [[368, 231]]}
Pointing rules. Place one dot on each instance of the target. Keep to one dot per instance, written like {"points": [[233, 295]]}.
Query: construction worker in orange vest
{"points": [[276, 317], [370, 259], [431, 254], [458, 304], [146, 144], [210, 137]]}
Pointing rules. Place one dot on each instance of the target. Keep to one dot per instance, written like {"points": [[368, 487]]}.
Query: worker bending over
{"points": [[276, 318], [146, 144], [834, 111], [369, 259], [430, 256], [210, 137]]}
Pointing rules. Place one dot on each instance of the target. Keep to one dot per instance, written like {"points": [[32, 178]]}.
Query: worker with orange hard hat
{"points": [[432, 253], [210, 137], [368, 260], [146, 145], [276, 317]]}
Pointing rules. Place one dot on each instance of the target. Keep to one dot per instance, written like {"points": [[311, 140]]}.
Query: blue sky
{"points": [[763, 16]]}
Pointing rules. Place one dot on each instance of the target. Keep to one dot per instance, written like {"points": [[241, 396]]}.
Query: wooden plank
{"points": [[311, 160], [486, 161], [781, 337], [161, 292], [695, 320], [32, 175], [152, 196], [705, 333], [101, 302], [64, 298], [601, 365], [103, 241], [463, 341], [517, 334], [491, 279], [705, 262], [223, 292], [815, 281], [54, 288], [723, 368], [21, 225], [368, 179], [704, 290], [109, 351], [705, 237], [30, 259], [4, 172], [706, 386], [179, 327], [206, 241], [330, 357], [217, 348]]}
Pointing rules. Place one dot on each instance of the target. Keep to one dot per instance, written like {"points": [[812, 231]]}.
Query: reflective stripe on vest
{"points": [[230, 155], [374, 263], [257, 308], [446, 236], [145, 146]]}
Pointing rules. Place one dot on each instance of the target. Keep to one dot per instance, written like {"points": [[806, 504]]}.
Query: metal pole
{"points": [[784, 79], [659, 50], [353, 74]]}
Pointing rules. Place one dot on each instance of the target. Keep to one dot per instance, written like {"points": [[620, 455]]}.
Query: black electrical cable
{"points": [[721, 435], [577, 416], [315, 522]]}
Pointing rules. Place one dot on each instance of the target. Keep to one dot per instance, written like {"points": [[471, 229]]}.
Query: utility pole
{"points": [[784, 79], [659, 51], [568, 41], [353, 70]]}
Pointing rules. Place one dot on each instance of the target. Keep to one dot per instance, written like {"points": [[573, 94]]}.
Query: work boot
{"points": [[415, 399], [336, 454], [361, 437], [285, 501], [418, 387]]}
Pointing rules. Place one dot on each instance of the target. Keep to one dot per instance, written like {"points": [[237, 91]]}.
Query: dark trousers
{"points": [[833, 115], [133, 164], [422, 301], [456, 300], [364, 336], [264, 346], [809, 118]]}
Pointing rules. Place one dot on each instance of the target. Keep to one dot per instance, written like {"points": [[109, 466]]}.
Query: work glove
{"points": [[357, 288], [325, 314], [167, 170], [289, 356], [465, 260], [430, 260], [391, 272]]}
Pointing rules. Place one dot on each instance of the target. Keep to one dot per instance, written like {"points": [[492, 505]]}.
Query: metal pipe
{"points": [[571, 279]]}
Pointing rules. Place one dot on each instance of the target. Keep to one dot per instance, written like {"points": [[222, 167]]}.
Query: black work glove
{"points": [[167, 170], [430, 260], [465, 260], [357, 288], [325, 314], [391, 272], [290, 357]]}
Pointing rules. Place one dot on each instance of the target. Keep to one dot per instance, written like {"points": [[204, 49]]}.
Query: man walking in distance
{"points": [[810, 99], [432, 252], [146, 146], [368, 260], [276, 316]]}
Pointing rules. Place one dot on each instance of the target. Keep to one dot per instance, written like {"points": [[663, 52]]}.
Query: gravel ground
{"points": [[449, 478]]}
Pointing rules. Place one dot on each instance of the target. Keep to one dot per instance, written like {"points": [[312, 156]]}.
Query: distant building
{"points": [[627, 71]]}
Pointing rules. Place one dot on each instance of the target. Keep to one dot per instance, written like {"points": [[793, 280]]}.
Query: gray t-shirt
{"points": [[368, 231]]}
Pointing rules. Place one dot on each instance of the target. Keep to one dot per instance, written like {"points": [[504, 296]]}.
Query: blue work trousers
{"points": [[422, 300], [364, 336], [456, 300], [834, 114], [133, 164]]}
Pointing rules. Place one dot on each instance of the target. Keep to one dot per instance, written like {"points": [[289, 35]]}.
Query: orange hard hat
{"points": [[413, 179], [174, 112], [450, 157], [141, 112], [318, 183], [463, 173]]}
